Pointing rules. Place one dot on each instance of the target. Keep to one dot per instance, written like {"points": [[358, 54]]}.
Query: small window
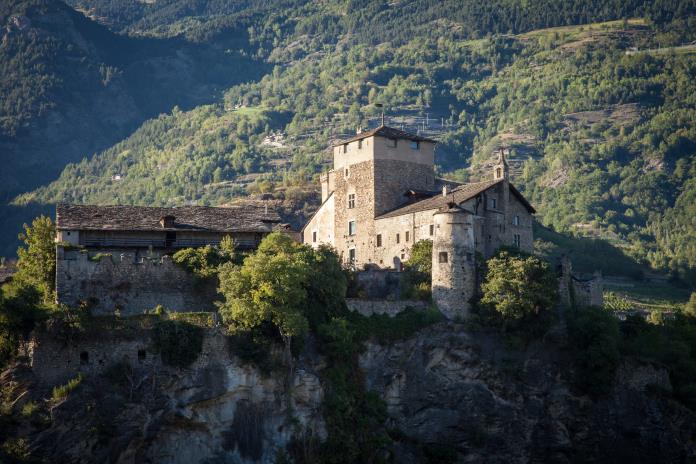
{"points": [[516, 221], [391, 143], [379, 240], [415, 145], [442, 257], [407, 235], [142, 354], [359, 144], [84, 357], [351, 255], [351, 200], [345, 148], [347, 172], [494, 203], [498, 173], [314, 236], [398, 238], [432, 230], [68, 232], [403, 256], [351, 228], [517, 240]]}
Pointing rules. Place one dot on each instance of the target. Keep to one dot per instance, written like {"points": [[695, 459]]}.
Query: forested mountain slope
{"points": [[70, 87], [599, 117]]}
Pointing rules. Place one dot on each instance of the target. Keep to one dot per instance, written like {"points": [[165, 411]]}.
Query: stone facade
{"points": [[383, 197], [575, 291], [369, 308], [128, 282]]}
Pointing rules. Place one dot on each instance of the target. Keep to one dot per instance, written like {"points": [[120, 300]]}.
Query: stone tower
{"points": [[454, 264]]}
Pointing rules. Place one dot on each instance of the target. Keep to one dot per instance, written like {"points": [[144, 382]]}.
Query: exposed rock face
{"points": [[467, 393], [218, 410], [453, 395]]}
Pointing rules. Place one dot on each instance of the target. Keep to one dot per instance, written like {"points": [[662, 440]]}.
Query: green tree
{"points": [[690, 306], [37, 259], [518, 286], [268, 287], [416, 278]]}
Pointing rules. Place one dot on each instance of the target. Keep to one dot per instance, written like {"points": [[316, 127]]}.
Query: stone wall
{"points": [[128, 282], [391, 308], [55, 361]]}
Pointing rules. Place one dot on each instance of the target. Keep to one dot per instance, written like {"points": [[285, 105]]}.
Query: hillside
{"points": [[70, 87], [600, 125]]}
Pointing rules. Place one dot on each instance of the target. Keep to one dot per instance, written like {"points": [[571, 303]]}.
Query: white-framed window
{"points": [[517, 240], [516, 221], [415, 145], [314, 236], [351, 200], [351, 227], [351, 256]]}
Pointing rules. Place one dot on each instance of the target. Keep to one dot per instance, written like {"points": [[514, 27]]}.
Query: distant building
{"points": [[382, 196], [117, 258]]}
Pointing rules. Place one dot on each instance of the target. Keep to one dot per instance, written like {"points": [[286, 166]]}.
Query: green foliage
{"points": [[29, 408], [62, 391], [179, 342], [594, 336], [416, 278], [284, 284], [20, 310], [518, 287], [203, 262], [690, 307], [37, 258], [616, 303]]}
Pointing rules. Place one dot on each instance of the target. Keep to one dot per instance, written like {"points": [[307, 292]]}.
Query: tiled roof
{"points": [[386, 131], [247, 218], [456, 195]]}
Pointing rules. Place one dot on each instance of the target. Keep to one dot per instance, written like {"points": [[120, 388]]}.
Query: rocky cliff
{"points": [[452, 394]]}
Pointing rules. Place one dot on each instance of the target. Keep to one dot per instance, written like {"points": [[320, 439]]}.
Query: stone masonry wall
{"points": [[128, 283], [368, 308]]}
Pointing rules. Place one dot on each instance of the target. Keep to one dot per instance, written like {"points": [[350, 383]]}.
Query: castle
{"points": [[382, 196]]}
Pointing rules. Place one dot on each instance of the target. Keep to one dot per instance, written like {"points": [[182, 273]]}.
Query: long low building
{"points": [[117, 259]]}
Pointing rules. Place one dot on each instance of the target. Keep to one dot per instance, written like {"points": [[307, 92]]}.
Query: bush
{"points": [[594, 336], [179, 342], [518, 287], [62, 391]]}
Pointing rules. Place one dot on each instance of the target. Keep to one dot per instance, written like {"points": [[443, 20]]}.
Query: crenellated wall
{"points": [[128, 283]]}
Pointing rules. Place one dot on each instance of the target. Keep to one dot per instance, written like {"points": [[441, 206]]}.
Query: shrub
{"points": [[518, 287], [179, 342], [62, 391], [29, 409], [594, 336]]}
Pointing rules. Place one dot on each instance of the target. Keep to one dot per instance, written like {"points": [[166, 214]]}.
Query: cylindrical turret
{"points": [[454, 268]]}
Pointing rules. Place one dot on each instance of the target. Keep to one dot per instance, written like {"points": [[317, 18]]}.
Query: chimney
{"points": [[167, 221], [358, 131], [445, 190]]}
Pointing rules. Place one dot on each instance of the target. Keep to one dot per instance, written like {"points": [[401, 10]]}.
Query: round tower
{"points": [[454, 268]]}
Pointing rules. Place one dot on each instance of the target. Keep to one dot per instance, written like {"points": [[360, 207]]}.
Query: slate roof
{"points": [[246, 218], [456, 195], [386, 131]]}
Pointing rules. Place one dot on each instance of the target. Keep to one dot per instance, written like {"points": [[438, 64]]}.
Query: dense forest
{"points": [[596, 101]]}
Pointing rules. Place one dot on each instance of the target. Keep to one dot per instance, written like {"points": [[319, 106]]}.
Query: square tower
{"points": [[371, 174]]}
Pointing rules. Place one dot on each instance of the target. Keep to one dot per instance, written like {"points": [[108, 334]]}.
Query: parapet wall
{"points": [[368, 308], [124, 282]]}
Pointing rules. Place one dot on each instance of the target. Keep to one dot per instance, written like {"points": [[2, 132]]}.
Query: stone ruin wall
{"points": [[128, 283]]}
